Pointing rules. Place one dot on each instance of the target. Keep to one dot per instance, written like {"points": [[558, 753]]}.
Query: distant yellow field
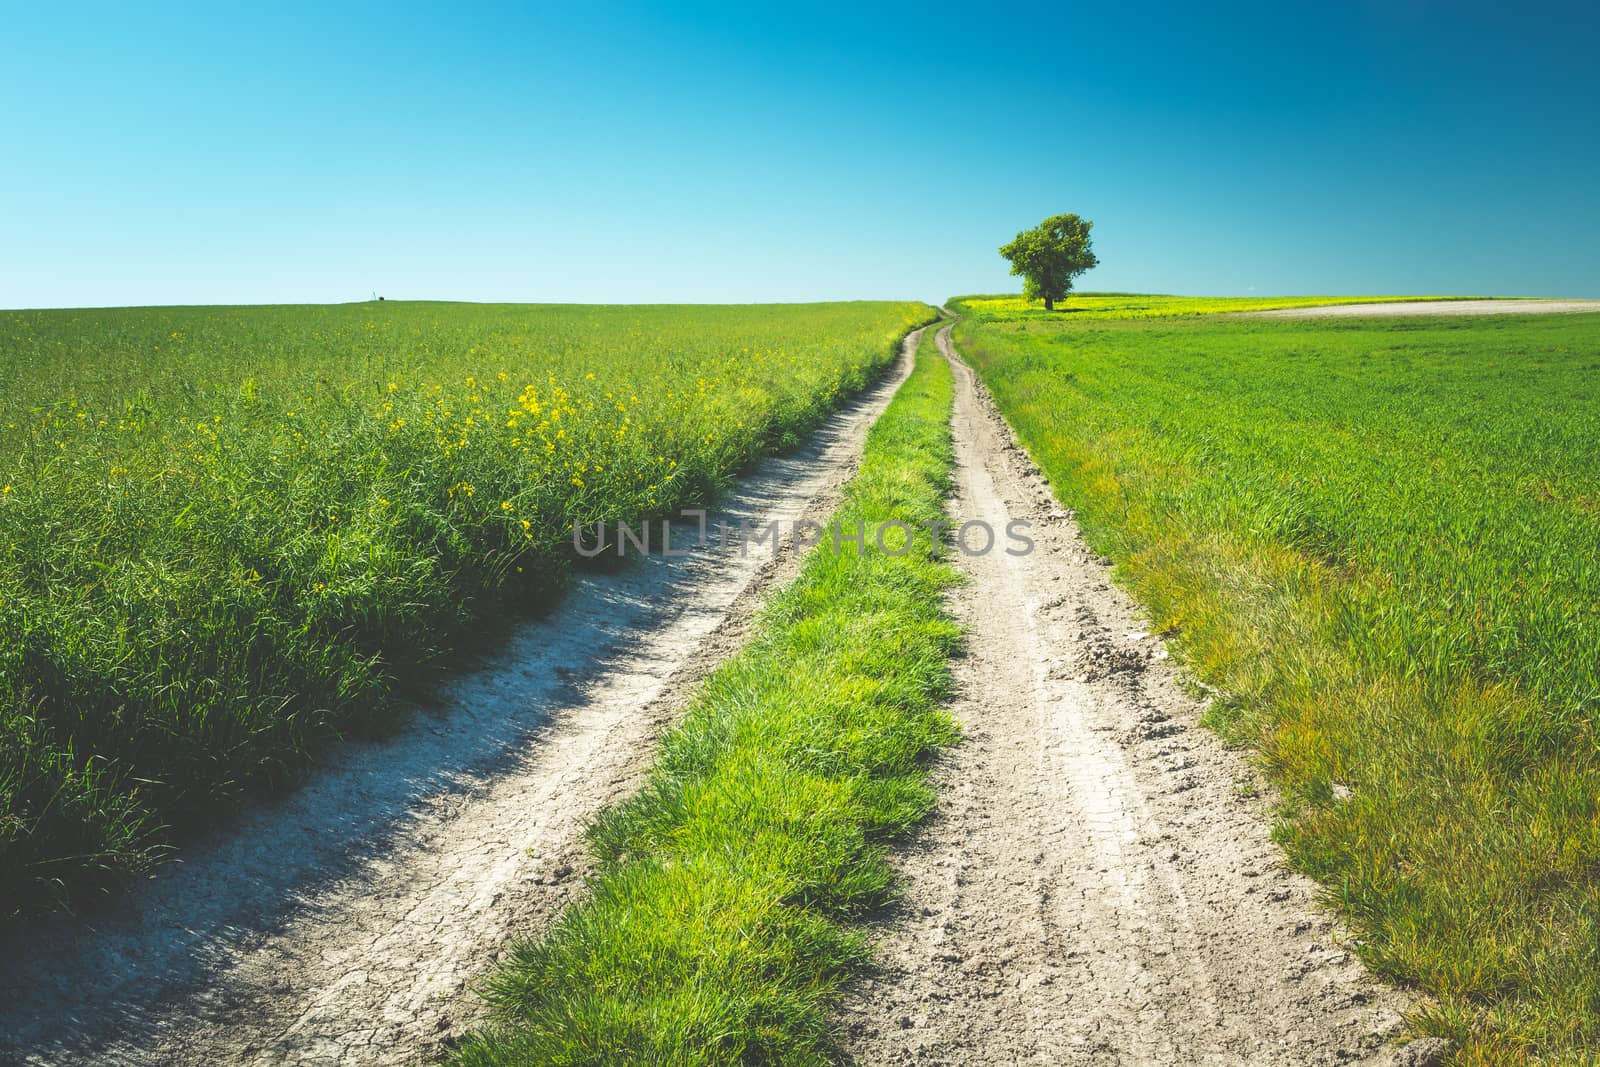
{"points": [[1144, 305]]}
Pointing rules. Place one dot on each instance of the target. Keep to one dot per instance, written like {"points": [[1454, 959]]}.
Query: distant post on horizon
{"points": [[1050, 255]]}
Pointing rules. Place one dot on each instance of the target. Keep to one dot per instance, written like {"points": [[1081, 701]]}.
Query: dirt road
{"points": [[344, 924], [1095, 888], [1433, 307]]}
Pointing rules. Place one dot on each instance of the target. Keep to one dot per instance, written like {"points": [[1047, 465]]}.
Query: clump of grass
{"points": [[1378, 537], [229, 535], [719, 926]]}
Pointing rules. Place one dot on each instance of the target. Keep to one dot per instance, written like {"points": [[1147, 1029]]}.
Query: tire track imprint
{"points": [[1095, 888]]}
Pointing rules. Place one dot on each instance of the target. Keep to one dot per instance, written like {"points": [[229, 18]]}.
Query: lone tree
{"points": [[1050, 255]]}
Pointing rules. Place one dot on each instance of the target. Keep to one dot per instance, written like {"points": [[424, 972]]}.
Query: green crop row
{"points": [[226, 534]]}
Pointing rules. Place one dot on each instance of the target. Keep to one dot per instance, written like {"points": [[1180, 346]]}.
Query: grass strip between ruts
{"points": [[722, 920]]}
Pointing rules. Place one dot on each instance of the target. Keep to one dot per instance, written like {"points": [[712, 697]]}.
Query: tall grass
{"points": [[1379, 538], [720, 924], [227, 533]]}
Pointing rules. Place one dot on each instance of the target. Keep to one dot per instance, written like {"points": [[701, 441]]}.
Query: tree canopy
{"points": [[1050, 255]]}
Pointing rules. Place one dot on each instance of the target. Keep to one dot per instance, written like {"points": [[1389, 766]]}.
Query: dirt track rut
{"points": [[1095, 887], [345, 924]]}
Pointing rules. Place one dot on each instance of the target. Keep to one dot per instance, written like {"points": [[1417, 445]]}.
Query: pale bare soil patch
{"points": [[1432, 307]]}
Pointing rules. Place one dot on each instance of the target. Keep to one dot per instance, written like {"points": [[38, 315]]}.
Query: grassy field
{"points": [[224, 531], [1095, 306], [720, 925], [1379, 540]]}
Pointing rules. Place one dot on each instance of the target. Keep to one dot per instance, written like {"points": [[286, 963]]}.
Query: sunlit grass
{"points": [[1379, 539], [225, 531], [719, 927], [1153, 305]]}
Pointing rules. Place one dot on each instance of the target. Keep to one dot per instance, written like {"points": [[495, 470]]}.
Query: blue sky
{"points": [[209, 154]]}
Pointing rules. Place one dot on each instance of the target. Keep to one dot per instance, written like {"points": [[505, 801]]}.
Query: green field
{"points": [[1095, 306], [224, 530], [719, 928], [1379, 540]]}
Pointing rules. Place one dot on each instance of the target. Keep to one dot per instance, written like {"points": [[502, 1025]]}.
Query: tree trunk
{"points": [[1049, 303]]}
